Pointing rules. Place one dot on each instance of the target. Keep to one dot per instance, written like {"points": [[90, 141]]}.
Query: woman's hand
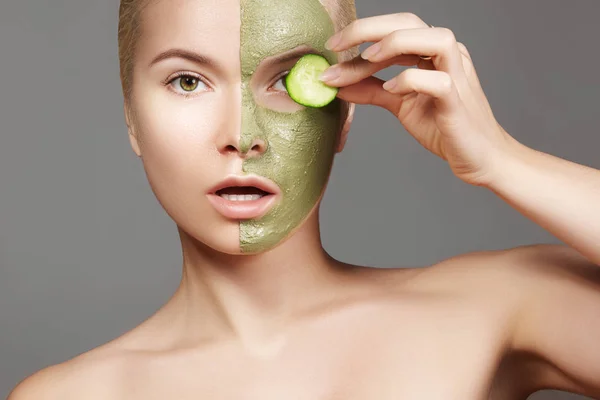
{"points": [[440, 103], [443, 106]]}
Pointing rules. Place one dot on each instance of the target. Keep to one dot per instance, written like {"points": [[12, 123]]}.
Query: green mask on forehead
{"points": [[300, 145]]}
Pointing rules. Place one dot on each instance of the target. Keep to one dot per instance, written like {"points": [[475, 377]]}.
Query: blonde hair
{"points": [[342, 12]]}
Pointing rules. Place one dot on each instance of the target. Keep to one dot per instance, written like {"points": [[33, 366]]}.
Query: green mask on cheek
{"points": [[300, 145]]}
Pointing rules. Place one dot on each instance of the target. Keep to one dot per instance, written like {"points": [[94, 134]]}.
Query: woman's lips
{"points": [[242, 209], [243, 197]]}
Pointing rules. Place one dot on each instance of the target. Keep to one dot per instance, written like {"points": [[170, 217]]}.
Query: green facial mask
{"points": [[300, 145]]}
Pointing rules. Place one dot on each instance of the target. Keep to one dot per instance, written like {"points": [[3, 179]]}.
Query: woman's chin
{"points": [[258, 249], [229, 238], [238, 250], [233, 246]]}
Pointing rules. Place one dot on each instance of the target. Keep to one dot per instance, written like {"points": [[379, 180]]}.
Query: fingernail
{"points": [[333, 42], [330, 74], [389, 84], [371, 51]]}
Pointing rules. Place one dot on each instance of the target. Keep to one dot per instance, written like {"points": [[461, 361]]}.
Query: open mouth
{"points": [[244, 197], [242, 193]]}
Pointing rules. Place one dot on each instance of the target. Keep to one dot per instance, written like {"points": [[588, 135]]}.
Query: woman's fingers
{"points": [[464, 51], [399, 39], [437, 84], [370, 91], [373, 29], [440, 43], [357, 69], [397, 44]]}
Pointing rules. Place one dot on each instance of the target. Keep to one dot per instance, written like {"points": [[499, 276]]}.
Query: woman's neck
{"points": [[252, 297]]}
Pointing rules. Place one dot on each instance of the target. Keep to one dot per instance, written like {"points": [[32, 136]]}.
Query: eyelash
{"points": [[182, 74], [279, 77]]}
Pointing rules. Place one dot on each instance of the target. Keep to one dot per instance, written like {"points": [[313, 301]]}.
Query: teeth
{"points": [[241, 197]]}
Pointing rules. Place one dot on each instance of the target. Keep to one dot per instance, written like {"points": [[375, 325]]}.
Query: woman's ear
{"points": [[345, 127], [131, 130]]}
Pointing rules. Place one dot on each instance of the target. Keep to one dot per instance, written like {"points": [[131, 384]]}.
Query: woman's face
{"points": [[229, 116]]}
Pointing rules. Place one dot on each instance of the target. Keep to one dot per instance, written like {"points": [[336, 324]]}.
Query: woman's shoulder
{"points": [[528, 263], [503, 276], [467, 275], [485, 264], [88, 375]]}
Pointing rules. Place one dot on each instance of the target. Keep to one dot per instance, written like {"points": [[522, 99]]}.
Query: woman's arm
{"points": [[442, 105], [559, 195]]}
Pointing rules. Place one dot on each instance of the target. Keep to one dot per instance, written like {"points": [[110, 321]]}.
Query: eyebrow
{"points": [[186, 55], [294, 55], [204, 60]]}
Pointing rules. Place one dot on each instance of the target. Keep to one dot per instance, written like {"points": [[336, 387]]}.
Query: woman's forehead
{"points": [[195, 25], [281, 26], [232, 29]]}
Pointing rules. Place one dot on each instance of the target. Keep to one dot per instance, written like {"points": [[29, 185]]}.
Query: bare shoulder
{"points": [[91, 375], [515, 266], [513, 281], [482, 272], [530, 265], [495, 283], [507, 277]]}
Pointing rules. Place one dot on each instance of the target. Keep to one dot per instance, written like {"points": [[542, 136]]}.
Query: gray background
{"points": [[86, 252]]}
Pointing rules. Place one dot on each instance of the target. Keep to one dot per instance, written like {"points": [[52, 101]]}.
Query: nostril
{"points": [[258, 146], [230, 148]]}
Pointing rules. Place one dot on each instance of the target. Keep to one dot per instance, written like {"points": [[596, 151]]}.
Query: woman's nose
{"points": [[256, 148], [245, 149]]}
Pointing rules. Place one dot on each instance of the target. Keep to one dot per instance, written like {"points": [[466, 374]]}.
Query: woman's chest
{"points": [[429, 355], [447, 376]]}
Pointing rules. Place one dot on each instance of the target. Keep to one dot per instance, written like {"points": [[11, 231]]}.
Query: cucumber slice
{"points": [[303, 84]]}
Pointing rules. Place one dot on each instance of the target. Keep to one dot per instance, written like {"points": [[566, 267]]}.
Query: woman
{"points": [[262, 311]]}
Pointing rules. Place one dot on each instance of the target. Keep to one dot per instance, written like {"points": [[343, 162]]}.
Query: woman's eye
{"points": [[280, 84], [186, 84]]}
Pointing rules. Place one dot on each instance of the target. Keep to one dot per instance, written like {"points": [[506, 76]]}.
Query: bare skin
{"points": [[441, 332], [292, 323]]}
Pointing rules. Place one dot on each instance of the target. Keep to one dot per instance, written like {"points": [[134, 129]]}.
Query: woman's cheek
{"points": [[300, 151], [177, 144]]}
